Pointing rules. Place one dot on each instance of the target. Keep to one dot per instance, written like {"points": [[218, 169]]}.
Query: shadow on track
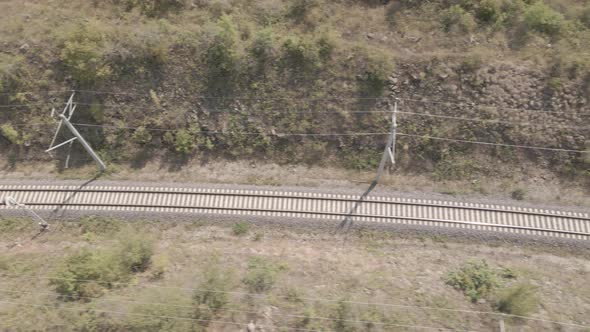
{"points": [[347, 222]]}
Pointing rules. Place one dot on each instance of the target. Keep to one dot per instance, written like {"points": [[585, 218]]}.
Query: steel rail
{"points": [[472, 216], [335, 214], [378, 200]]}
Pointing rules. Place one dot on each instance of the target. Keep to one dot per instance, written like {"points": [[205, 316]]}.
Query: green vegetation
{"points": [[520, 300], [456, 16], [518, 194], [240, 228], [261, 275], [542, 18], [84, 53], [199, 279], [476, 279], [8, 131], [89, 273], [298, 67]]}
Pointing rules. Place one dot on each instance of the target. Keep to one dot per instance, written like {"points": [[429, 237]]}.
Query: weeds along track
{"points": [[286, 204]]}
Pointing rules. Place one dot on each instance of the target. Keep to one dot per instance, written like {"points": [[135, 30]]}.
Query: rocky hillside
{"points": [[182, 82]]}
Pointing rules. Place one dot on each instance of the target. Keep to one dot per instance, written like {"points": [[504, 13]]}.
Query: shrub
{"points": [[378, 65], [585, 17], [261, 275], [159, 266], [489, 11], [456, 17], [135, 250], [99, 225], [240, 228], [11, 69], [222, 55], [518, 300], [155, 8], [211, 293], [87, 274], [300, 54], [476, 279], [518, 194], [184, 142], [153, 312], [542, 18], [263, 45], [83, 54], [8, 131], [342, 317], [300, 8], [326, 44], [141, 136]]}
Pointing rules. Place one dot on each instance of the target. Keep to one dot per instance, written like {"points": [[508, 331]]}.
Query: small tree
{"points": [[542, 18]]}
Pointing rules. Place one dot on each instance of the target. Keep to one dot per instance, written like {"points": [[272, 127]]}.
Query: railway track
{"points": [[283, 204]]}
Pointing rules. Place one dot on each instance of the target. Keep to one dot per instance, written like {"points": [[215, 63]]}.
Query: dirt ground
{"points": [[320, 281], [539, 188]]}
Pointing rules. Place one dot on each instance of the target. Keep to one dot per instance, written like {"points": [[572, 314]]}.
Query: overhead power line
{"points": [[233, 310], [242, 324], [422, 100], [345, 134], [317, 299]]}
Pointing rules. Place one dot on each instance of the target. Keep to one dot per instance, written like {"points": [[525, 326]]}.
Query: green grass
{"points": [[521, 300]]}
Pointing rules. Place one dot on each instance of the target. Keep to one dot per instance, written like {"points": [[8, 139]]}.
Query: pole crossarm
{"points": [[65, 116]]}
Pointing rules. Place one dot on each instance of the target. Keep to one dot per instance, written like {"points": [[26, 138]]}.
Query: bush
{"points": [[11, 69], [542, 18], [99, 225], [212, 289], [489, 11], [141, 136], [8, 131], [456, 17], [159, 266], [518, 300], [476, 279], [518, 194], [300, 54], [151, 316], [87, 274], [221, 55], [135, 250], [155, 8], [240, 228], [83, 54], [211, 295], [585, 17], [343, 317], [378, 65], [263, 45], [184, 142], [261, 275]]}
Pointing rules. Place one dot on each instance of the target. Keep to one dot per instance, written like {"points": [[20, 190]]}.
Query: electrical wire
{"points": [[494, 144], [424, 100], [145, 315], [230, 310], [322, 300]]}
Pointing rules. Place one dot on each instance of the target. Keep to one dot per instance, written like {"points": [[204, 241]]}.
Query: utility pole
{"points": [[389, 152], [69, 109], [12, 202]]}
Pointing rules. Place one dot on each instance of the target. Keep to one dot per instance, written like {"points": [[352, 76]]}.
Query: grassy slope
{"points": [[290, 51], [290, 269]]}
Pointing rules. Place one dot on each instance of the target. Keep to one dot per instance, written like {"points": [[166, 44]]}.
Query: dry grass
{"points": [[367, 268]]}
